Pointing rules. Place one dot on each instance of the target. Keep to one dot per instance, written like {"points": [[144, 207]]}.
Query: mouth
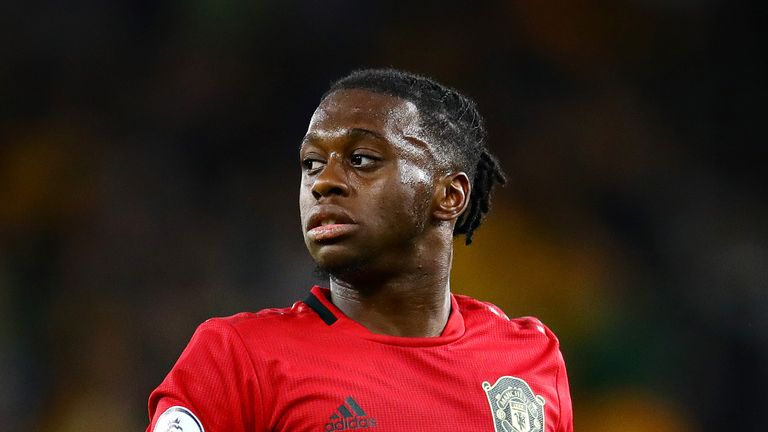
{"points": [[327, 225]]}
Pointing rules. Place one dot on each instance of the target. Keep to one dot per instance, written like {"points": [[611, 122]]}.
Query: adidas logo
{"points": [[349, 416]]}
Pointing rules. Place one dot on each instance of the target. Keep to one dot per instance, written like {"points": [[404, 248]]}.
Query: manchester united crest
{"points": [[514, 406]]}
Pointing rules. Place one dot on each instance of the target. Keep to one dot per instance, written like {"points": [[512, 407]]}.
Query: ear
{"points": [[451, 196]]}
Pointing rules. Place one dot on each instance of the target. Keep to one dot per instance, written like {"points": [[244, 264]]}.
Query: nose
{"points": [[332, 180]]}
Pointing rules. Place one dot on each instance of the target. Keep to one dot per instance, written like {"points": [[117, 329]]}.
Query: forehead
{"points": [[391, 117]]}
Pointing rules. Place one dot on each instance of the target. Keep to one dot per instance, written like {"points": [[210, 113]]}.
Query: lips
{"points": [[325, 224]]}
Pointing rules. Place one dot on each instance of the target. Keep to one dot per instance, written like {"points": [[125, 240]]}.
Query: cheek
{"points": [[418, 181], [414, 194], [414, 176], [305, 200]]}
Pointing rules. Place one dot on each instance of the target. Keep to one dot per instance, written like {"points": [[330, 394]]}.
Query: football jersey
{"points": [[311, 368]]}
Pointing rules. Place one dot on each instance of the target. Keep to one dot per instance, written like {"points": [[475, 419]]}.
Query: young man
{"points": [[393, 166]]}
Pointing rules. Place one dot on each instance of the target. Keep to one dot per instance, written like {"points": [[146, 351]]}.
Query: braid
{"points": [[487, 173]]}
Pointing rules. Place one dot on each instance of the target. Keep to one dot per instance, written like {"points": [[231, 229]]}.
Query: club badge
{"points": [[514, 406]]}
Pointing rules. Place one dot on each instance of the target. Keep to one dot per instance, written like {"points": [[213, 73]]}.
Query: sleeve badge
{"points": [[178, 419]]}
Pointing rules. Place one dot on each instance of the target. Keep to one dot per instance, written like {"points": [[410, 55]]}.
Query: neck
{"points": [[415, 302]]}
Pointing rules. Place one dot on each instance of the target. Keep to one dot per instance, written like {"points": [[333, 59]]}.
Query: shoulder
{"points": [[242, 341], [266, 323], [488, 316]]}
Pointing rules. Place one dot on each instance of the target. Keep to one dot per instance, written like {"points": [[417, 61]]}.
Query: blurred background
{"points": [[149, 175]]}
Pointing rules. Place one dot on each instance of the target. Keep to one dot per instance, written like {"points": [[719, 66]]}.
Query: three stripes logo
{"points": [[349, 416]]}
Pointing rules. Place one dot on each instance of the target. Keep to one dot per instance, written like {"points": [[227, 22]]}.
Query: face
{"points": [[366, 182]]}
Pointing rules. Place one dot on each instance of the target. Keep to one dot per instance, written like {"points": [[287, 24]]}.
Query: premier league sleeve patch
{"points": [[514, 406], [178, 419]]}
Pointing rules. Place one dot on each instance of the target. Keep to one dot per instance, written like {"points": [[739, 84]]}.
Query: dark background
{"points": [[149, 175]]}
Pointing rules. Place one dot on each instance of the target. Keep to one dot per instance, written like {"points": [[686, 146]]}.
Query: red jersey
{"points": [[311, 368]]}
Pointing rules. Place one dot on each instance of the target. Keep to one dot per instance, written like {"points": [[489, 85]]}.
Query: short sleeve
{"points": [[212, 387]]}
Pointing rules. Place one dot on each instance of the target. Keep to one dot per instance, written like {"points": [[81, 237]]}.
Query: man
{"points": [[393, 166]]}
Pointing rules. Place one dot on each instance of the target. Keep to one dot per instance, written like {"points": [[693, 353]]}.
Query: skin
{"points": [[367, 163]]}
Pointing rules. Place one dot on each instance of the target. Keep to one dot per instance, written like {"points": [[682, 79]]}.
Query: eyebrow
{"points": [[355, 132], [352, 133]]}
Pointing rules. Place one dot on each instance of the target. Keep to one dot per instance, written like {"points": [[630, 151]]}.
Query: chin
{"points": [[341, 269], [338, 264]]}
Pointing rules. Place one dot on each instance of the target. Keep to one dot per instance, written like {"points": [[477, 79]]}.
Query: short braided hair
{"points": [[454, 125]]}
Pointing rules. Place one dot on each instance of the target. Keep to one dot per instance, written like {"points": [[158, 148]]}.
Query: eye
{"points": [[360, 160], [312, 165]]}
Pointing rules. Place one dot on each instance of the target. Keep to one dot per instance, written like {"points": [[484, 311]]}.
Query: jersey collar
{"points": [[319, 300]]}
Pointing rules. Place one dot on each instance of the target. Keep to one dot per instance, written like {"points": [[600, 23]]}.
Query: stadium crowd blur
{"points": [[149, 175]]}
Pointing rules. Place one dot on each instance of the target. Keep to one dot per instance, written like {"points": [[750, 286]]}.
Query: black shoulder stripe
{"points": [[326, 315]]}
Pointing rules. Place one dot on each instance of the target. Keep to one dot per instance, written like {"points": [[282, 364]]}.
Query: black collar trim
{"points": [[316, 305]]}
